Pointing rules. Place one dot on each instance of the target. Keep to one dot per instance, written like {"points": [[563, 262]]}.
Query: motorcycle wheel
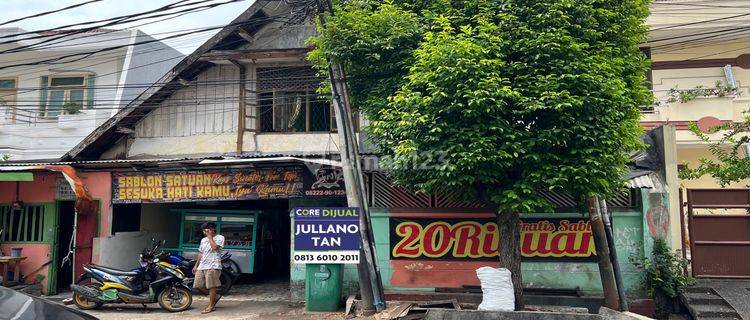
{"points": [[85, 304], [227, 280], [175, 299], [235, 268]]}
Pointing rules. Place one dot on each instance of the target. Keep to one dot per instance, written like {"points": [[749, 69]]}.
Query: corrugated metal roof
{"points": [[218, 158], [640, 182], [29, 164]]}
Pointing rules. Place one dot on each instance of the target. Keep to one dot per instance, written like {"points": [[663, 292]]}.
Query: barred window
{"points": [[24, 225], [289, 103]]}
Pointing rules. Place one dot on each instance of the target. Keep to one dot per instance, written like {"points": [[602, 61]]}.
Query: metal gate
{"points": [[719, 227]]}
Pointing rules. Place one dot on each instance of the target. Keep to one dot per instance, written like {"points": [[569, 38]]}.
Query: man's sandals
{"points": [[210, 308]]}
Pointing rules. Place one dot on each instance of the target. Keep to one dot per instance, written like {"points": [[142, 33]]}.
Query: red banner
{"points": [[478, 239]]}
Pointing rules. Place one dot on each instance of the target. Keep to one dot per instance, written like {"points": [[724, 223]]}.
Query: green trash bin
{"points": [[323, 284]]}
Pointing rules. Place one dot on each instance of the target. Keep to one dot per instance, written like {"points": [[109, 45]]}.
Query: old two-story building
{"points": [[235, 134], [700, 56], [53, 93]]}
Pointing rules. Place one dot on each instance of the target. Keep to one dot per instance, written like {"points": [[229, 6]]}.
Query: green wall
{"points": [[629, 241], [631, 238]]}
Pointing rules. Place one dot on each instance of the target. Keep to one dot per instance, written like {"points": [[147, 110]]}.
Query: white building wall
{"points": [[32, 136], [209, 105]]}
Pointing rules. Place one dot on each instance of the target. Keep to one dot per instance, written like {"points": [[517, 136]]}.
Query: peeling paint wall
{"points": [[41, 191], [426, 275]]}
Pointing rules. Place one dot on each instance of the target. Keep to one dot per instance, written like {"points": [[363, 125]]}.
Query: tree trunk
{"points": [[510, 251], [606, 272]]}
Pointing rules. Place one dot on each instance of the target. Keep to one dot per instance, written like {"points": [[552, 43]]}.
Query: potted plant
{"points": [[664, 277], [71, 107]]}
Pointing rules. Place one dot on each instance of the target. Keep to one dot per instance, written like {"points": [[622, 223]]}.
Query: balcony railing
{"points": [[13, 115]]}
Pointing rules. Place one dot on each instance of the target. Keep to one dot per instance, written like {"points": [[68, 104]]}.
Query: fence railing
{"points": [[12, 115]]}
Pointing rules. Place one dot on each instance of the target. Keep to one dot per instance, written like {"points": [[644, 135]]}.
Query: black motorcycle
{"points": [[229, 273], [151, 283]]}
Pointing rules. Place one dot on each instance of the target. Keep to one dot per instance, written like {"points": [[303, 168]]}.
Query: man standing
{"points": [[208, 266]]}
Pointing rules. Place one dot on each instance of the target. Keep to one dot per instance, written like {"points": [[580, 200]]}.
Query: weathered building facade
{"points": [[236, 134]]}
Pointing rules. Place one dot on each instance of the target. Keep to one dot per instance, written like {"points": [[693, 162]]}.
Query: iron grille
{"points": [[386, 195]]}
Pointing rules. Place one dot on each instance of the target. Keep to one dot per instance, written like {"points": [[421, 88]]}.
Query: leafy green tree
{"points": [[496, 100], [730, 163]]}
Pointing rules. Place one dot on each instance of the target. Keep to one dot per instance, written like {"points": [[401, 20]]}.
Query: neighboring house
{"points": [[48, 108], [700, 52], [694, 46]]}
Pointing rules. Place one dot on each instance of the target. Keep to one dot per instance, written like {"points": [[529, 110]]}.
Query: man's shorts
{"points": [[207, 279]]}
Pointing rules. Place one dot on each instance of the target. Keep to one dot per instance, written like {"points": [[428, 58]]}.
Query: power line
{"points": [[270, 18], [120, 20], [700, 22], [49, 12], [124, 37], [38, 33], [83, 55]]}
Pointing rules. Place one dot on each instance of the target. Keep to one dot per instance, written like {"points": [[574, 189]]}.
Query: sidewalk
{"points": [[245, 302]]}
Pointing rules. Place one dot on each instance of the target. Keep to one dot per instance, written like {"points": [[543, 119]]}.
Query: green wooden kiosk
{"points": [[239, 228]]}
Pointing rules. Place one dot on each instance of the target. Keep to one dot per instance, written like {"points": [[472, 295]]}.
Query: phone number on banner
{"points": [[338, 257]]}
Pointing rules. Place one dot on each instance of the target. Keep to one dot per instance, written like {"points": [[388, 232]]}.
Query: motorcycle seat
{"points": [[115, 271]]}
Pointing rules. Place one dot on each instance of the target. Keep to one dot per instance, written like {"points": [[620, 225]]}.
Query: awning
{"points": [[16, 176]]}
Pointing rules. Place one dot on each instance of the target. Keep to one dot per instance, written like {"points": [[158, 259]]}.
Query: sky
{"points": [[104, 9]]}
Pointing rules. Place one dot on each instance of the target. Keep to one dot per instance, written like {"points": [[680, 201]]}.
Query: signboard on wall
{"points": [[478, 239], [183, 186], [326, 235], [63, 191], [324, 181]]}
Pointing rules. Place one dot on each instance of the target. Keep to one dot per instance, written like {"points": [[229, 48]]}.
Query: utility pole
{"points": [[370, 283], [608, 228], [602, 251], [241, 116]]}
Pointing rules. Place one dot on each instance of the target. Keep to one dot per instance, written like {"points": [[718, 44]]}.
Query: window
{"points": [[237, 230], [191, 228], [8, 98], [64, 90], [288, 101], [294, 111], [24, 225]]}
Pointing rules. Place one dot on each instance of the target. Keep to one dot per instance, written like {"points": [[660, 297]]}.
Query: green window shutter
{"points": [[43, 80], [90, 91]]}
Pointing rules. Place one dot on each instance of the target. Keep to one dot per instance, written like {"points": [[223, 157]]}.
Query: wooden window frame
{"points": [[30, 228], [308, 93], [66, 92], [13, 93]]}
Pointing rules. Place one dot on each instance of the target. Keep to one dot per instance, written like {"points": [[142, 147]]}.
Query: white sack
{"points": [[497, 289]]}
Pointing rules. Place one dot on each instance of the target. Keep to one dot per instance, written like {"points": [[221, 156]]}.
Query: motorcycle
{"points": [[151, 283], [229, 273]]}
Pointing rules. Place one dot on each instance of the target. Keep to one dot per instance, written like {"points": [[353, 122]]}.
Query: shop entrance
{"points": [[257, 232], [65, 222]]}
